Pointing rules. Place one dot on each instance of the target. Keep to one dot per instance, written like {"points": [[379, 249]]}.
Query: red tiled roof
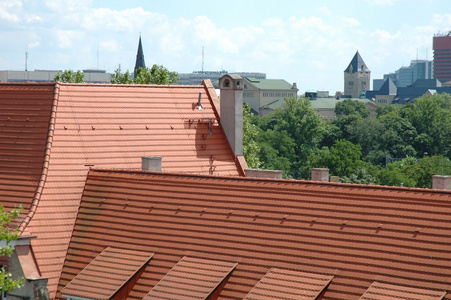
{"points": [[107, 273], [52, 134], [192, 278], [383, 291], [24, 133], [288, 284], [358, 234]]}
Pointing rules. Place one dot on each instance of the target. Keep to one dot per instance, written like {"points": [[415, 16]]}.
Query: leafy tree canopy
{"points": [[70, 76], [351, 107], [7, 235], [250, 135], [157, 74]]}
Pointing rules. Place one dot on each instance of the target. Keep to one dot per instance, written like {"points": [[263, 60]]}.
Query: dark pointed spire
{"points": [[140, 63], [357, 64]]}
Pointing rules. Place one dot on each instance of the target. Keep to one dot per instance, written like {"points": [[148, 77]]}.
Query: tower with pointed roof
{"points": [[356, 77], [140, 63]]}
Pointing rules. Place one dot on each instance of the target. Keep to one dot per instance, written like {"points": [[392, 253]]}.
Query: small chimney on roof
{"points": [[441, 182], [151, 163], [231, 100], [259, 173], [320, 174]]}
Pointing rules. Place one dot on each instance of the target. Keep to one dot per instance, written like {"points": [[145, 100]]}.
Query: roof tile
{"points": [[106, 274], [384, 291], [52, 134], [192, 278], [289, 284], [358, 234]]}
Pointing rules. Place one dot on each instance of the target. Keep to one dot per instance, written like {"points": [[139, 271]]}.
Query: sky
{"points": [[307, 42]]}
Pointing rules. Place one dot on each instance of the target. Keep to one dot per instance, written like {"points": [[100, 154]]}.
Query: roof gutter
{"points": [[45, 165]]}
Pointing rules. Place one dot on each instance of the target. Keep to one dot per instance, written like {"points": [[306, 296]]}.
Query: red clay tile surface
{"points": [[52, 134], [287, 284], [25, 112], [191, 278], [383, 291], [357, 234], [107, 273]]}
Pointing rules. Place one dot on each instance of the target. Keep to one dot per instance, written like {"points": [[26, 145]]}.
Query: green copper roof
{"points": [[268, 84], [331, 102]]}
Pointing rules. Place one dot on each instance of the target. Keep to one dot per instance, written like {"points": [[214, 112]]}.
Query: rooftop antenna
{"points": [[202, 59]]}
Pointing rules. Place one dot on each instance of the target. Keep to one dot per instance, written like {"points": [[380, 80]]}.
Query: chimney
{"points": [[320, 174], [441, 182], [231, 100], [151, 163], [259, 173]]}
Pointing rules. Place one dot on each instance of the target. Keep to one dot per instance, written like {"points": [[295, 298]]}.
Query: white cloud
{"points": [[350, 22], [69, 39], [324, 10], [9, 10], [381, 2], [311, 48]]}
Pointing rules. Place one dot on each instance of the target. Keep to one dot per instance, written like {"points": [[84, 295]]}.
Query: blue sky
{"points": [[307, 42]]}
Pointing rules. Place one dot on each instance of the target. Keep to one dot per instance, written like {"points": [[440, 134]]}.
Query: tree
{"points": [[350, 107], [343, 159], [250, 135], [305, 127], [397, 136], [7, 235], [70, 76], [366, 133], [121, 78], [157, 74], [277, 151], [431, 117]]}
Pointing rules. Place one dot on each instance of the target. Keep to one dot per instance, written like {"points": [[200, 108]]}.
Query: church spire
{"points": [[140, 63]]}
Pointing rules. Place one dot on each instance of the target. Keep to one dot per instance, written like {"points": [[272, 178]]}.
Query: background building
{"points": [[91, 76], [442, 57], [197, 77], [264, 95], [356, 77], [406, 76]]}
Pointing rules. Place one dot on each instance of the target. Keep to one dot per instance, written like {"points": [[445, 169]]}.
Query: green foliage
{"points": [[388, 109], [393, 175], [250, 135], [7, 235], [354, 147], [157, 74], [351, 107], [342, 159], [70, 76], [289, 135], [121, 78], [277, 151], [431, 117]]}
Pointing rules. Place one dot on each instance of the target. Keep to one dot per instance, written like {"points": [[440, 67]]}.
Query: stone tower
{"points": [[140, 63], [357, 77]]}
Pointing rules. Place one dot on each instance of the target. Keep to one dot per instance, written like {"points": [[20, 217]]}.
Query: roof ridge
{"points": [[45, 164], [130, 85], [303, 181]]}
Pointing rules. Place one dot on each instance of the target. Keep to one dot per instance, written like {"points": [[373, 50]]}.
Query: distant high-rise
{"points": [[356, 77], [140, 63], [442, 56]]}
